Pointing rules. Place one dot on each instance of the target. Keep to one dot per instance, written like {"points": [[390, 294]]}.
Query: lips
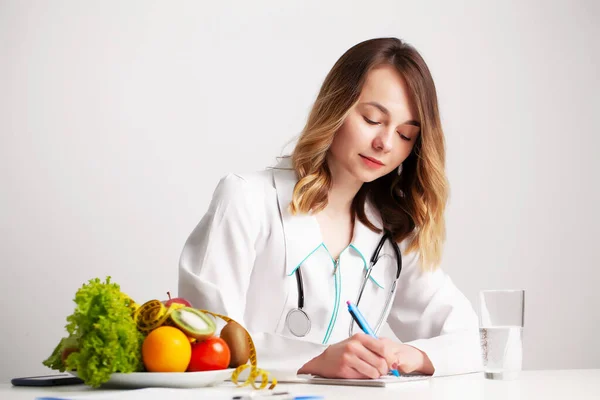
{"points": [[374, 160]]}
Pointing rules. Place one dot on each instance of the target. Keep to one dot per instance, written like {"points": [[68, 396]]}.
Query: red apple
{"points": [[179, 300]]}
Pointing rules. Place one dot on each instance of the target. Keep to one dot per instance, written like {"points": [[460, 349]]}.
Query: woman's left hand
{"points": [[409, 359]]}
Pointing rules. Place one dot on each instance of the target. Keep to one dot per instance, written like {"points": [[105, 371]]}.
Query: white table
{"points": [[547, 385]]}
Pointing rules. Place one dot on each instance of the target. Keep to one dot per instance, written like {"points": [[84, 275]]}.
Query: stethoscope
{"points": [[297, 319]]}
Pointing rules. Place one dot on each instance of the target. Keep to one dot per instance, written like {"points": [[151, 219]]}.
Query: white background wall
{"points": [[118, 118]]}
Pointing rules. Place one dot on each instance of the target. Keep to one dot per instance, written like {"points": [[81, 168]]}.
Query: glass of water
{"points": [[501, 317]]}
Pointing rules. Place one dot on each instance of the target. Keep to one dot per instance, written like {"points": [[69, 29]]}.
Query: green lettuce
{"points": [[103, 337]]}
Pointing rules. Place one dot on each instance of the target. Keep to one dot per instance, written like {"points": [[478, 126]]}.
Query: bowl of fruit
{"points": [[114, 341]]}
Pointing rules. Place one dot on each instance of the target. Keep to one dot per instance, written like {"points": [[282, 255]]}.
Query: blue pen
{"points": [[362, 323]]}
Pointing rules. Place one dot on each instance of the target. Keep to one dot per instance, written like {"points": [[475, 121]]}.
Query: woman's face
{"points": [[379, 132]]}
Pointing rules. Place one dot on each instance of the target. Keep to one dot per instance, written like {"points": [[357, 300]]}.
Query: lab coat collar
{"points": [[364, 239], [302, 232]]}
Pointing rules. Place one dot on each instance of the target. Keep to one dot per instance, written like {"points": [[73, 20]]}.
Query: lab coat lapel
{"points": [[365, 241], [301, 231]]}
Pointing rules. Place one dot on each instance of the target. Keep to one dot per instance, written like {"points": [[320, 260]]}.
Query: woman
{"points": [[370, 160]]}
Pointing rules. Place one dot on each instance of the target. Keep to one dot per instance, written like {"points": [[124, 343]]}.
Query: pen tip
{"points": [[348, 302]]}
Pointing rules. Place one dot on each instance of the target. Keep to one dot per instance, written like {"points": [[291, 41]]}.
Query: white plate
{"points": [[140, 380]]}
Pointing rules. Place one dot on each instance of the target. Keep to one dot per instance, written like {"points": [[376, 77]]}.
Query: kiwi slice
{"points": [[236, 338], [194, 323]]}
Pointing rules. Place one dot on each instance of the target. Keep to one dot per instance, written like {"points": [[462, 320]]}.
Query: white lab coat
{"points": [[240, 261]]}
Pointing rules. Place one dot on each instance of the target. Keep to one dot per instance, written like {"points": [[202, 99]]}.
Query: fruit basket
{"points": [[114, 341]]}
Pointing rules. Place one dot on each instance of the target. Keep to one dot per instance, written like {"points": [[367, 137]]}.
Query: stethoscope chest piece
{"points": [[298, 322]]}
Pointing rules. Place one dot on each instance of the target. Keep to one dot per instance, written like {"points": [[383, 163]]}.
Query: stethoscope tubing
{"points": [[372, 262]]}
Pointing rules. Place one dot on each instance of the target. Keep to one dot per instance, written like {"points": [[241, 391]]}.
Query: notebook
{"points": [[381, 382]]}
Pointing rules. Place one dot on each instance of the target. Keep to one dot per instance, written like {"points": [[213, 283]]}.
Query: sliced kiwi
{"points": [[194, 323], [236, 338]]}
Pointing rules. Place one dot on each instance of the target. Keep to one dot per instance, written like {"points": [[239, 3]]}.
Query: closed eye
{"points": [[371, 122], [378, 123]]}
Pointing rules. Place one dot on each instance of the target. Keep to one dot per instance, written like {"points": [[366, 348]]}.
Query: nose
{"points": [[384, 139]]}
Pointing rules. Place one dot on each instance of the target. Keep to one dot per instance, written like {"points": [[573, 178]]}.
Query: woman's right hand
{"points": [[358, 357]]}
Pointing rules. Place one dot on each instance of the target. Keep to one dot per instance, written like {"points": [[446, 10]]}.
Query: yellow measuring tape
{"points": [[255, 372], [153, 314]]}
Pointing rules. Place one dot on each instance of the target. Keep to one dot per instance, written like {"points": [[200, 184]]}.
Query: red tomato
{"points": [[210, 354]]}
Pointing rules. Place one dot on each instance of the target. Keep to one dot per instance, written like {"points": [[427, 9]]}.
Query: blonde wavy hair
{"points": [[411, 204]]}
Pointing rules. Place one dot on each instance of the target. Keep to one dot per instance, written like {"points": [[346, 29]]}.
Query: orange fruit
{"points": [[166, 349]]}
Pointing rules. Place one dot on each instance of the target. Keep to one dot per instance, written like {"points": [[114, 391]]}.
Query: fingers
{"points": [[366, 363], [359, 357], [384, 348], [372, 364], [355, 367]]}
